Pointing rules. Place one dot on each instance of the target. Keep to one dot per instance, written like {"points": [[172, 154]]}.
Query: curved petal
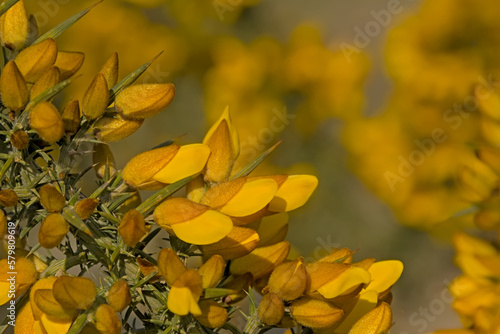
{"points": [[252, 197], [209, 227], [293, 193], [384, 274], [345, 282]]}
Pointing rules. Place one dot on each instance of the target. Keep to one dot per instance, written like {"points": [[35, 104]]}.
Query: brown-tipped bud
{"points": [[104, 161], [212, 271], [119, 296], [86, 207], [71, 117], [170, 266], [47, 122], [146, 100], [69, 63], [20, 139], [53, 230], [315, 313], [212, 314], [240, 285], [48, 80], [74, 292], [239, 242], [271, 309], [8, 198], [95, 99], [111, 129], [289, 279], [110, 70], [132, 228], [37, 59], [51, 199], [14, 27], [377, 321], [106, 320], [13, 87]]}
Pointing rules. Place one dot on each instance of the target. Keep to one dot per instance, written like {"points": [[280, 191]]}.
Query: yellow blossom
{"points": [[13, 88], [185, 293], [37, 59]]}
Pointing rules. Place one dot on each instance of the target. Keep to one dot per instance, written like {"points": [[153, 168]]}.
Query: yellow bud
{"points": [[377, 321], [107, 322], [222, 139], [185, 293], [69, 63], [47, 122], [212, 315], [44, 283], [271, 309], [74, 292], [85, 208], [289, 279], [51, 199], [241, 285], [132, 228], [170, 266], [315, 313], [37, 59], [8, 197], [71, 117], [142, 101], [14, 27], [13, 88], [95, 100], [110, 70], [20, 139], [239, 242], [212, 271], [261, 261], [110, 129], [48, 80], [119, 295], [53, 230], [46, 302]]}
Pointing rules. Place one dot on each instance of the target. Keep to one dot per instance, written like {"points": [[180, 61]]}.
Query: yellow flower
{"points": [[14, 285], [107, 321], [237, 243], [315, 313], [212, 314], [185, 293], [53, 230], [119, 295], [212, 271], [95, 99], [13, 88], [37, 59], [271, 309], [132, 228], [261, 261], [109, 129], [47, 122]]}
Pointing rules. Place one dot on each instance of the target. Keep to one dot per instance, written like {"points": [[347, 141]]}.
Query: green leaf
{"points": [[129, 79], [251, 166], [6, 5], [218, 292], [56, 31]]}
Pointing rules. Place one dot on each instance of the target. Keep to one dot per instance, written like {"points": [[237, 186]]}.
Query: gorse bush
{"points": [[179, 261]]}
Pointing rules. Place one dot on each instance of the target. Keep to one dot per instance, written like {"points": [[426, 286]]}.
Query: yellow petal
{"points": [[85, 208], [146, 100], [177, 210], [110, 70], [209, 227], [119, 295], [377, 321], [261, 261], [69, 63], [293, 193], [212, 271], [55, 326], [24, 321], [8, 198], [273, 229], [366, 302], [107, 321], [132, 228], [232, 130], [239, 242], [44, 283], [346, 282], [44, 299], [48, 80], [25, 276], [212, 315], [95, 99], [468, 244], [187, 161], [13, 88], [185, 293], [71, 117], [170, 265], [14, 27], [74, 292], [116, 128], [36, 59], [51, 199], [384, 274], [52, 231], [47, 122], [315, 313]]}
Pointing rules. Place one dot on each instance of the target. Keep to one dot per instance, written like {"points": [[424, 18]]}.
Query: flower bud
{"points": [[107, 322], [212, 315], [20, 139], [119, 295], [14, 27], [289, 279], [46, 302], [110, 70], [52, 231], [239, 242], [111, 129], [69, 63], [13, 88], [8, 197], [142, 101], [170, 266], [377, 321], [37, 59], [96, 98], [47, 122], [132, 228], [315, 313], [271, 309], [261, 261], [71, 117], [51, 199], [185, 293], [85, 208], [212, 271], [48, 80], [74, 292]]}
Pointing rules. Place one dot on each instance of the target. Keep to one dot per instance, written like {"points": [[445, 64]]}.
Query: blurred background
{"points": [[374, 97]]}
